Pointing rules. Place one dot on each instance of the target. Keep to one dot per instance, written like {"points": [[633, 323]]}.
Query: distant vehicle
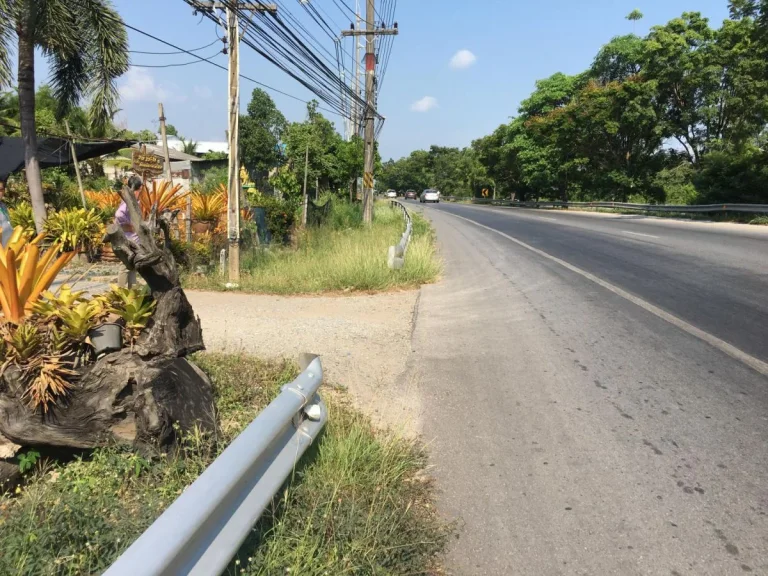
{"points": [[429, 195], [391, 194], [411, 195]]}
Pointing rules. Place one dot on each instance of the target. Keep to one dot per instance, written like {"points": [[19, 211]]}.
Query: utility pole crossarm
{"points": [[379, 32]]}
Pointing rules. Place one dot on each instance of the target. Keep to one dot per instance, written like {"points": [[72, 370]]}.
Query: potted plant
{"points": [[133, 305], [107, 333], [207, 209]]}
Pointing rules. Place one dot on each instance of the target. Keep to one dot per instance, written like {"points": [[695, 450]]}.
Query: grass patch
{"points": [[342, 255], [358, 504]]}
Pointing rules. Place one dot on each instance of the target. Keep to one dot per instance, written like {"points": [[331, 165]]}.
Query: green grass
{"points": [[343, 255], [359, 503]]}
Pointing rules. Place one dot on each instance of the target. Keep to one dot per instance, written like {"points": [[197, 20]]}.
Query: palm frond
{"points": [[108, 48], [6, 43]]}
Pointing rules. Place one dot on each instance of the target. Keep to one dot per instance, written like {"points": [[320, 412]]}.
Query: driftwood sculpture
{"points": [[135, 395]]}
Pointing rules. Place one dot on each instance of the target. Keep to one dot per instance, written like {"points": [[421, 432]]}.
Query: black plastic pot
{"points": [[106, 338]]}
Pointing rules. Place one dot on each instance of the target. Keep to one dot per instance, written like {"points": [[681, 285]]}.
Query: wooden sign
{"points": [[146, 163]]}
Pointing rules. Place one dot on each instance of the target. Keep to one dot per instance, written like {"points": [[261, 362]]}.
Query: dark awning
{"points": [[51, 152]]}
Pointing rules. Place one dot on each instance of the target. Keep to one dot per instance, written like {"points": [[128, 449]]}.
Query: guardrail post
{"points": [[396, 254]]}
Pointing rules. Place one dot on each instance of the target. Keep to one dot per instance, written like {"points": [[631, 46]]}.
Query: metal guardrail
{"points": [[681, 208], [204, 527], [396, 254]]}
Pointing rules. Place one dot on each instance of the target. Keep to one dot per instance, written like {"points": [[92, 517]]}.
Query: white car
{"points": [[429, 195], [391, 194]]}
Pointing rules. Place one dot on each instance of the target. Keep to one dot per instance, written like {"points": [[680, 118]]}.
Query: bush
{"points": [[280, 215], [731, 177], [676, 184]]}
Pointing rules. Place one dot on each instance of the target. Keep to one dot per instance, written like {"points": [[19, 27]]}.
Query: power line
{"points": [[243, 76], [176, 51], [270, 37], [218, 52]]}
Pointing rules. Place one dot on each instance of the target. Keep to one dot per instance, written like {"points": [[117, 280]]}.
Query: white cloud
{"points": [[202, 92], [425, 104], [463, 59], [138, 84]]}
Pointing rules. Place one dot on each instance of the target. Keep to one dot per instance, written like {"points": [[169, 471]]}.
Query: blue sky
{"points": [[514, 43]]}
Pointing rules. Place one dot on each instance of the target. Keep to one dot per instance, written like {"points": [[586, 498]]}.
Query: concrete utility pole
{"points": [[306, 196], [233, 186], [164, 136], [370, 102], [77, 166], [233, 115]]}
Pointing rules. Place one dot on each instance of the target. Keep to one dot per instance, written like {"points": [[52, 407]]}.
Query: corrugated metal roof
{"points": [[174, 155]]}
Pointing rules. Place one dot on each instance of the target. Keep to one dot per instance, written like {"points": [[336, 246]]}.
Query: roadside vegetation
{"points": [[675, 117], [339, 255], [359, 502]]}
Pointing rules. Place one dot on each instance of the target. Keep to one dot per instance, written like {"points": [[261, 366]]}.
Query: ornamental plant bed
{"points": [[56, 394]]}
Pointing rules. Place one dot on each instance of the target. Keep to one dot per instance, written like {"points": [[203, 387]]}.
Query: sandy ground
{"points": [[364, 342]]}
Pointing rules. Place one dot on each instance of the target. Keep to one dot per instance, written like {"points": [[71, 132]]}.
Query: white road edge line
{"points": [[639, 234], [754, 363]]}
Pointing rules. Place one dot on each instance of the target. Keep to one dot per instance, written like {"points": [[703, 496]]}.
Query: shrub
{"points": [[280, 215]]}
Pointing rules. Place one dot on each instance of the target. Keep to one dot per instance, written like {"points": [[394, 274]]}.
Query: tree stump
{"points": [[133, 396]]}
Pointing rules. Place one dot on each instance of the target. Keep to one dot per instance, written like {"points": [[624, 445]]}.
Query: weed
{"points": [[358, 503], [341, 255]]}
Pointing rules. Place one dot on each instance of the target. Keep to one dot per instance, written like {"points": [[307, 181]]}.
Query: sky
{"points": [[458, 68]]}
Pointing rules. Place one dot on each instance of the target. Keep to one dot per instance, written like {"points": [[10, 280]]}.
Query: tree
{"points": [[633, 17], [619, 60], [170, 130], [260, 132], [188, 146], [87, 49]]}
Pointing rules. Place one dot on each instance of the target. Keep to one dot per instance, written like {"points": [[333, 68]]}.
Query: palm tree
{"points": [[87, 49], [188, 146]]}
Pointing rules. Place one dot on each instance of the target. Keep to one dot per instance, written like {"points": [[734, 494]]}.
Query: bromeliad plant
{"points": [[75, 229], [26, 272], [134, 305], [44, 366], [21, 215], [209, 207], [162, 196]]}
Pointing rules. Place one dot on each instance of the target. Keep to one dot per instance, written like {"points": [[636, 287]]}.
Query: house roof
{"points": [[174, 155]]}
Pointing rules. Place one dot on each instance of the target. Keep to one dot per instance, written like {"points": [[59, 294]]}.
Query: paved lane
{"points": [[710, 275], [574, 432]]}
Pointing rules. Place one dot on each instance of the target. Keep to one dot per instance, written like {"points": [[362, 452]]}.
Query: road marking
{"points": [[547, 218], [639, 234], [722, 345]]}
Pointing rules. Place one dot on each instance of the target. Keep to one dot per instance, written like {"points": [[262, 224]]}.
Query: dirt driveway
{"points": [[364, 341]]}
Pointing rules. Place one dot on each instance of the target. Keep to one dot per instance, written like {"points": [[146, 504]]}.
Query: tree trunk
{"points": [[28, 129]]}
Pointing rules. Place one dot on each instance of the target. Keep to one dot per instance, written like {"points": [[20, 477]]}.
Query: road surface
{"points": [[597, 392]]}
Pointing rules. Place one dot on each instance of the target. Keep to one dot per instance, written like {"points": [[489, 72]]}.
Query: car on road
{"points": [[429, 195], [391, 194], [411, 195]]}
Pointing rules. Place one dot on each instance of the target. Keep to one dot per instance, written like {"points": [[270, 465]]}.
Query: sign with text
{"points": [[146, 163]]}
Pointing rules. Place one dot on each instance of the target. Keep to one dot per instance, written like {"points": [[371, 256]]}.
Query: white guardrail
{"points": [[203, 528], [681, 208], [396, 254]]}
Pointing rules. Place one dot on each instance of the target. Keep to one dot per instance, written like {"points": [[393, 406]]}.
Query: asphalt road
{"points": [[596, 393]]}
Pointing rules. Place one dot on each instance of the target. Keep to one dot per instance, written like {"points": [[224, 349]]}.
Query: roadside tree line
{"points": [[678, 116]]}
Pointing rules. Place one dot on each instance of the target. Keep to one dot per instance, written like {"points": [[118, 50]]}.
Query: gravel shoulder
{"points": [[364, 341]]}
